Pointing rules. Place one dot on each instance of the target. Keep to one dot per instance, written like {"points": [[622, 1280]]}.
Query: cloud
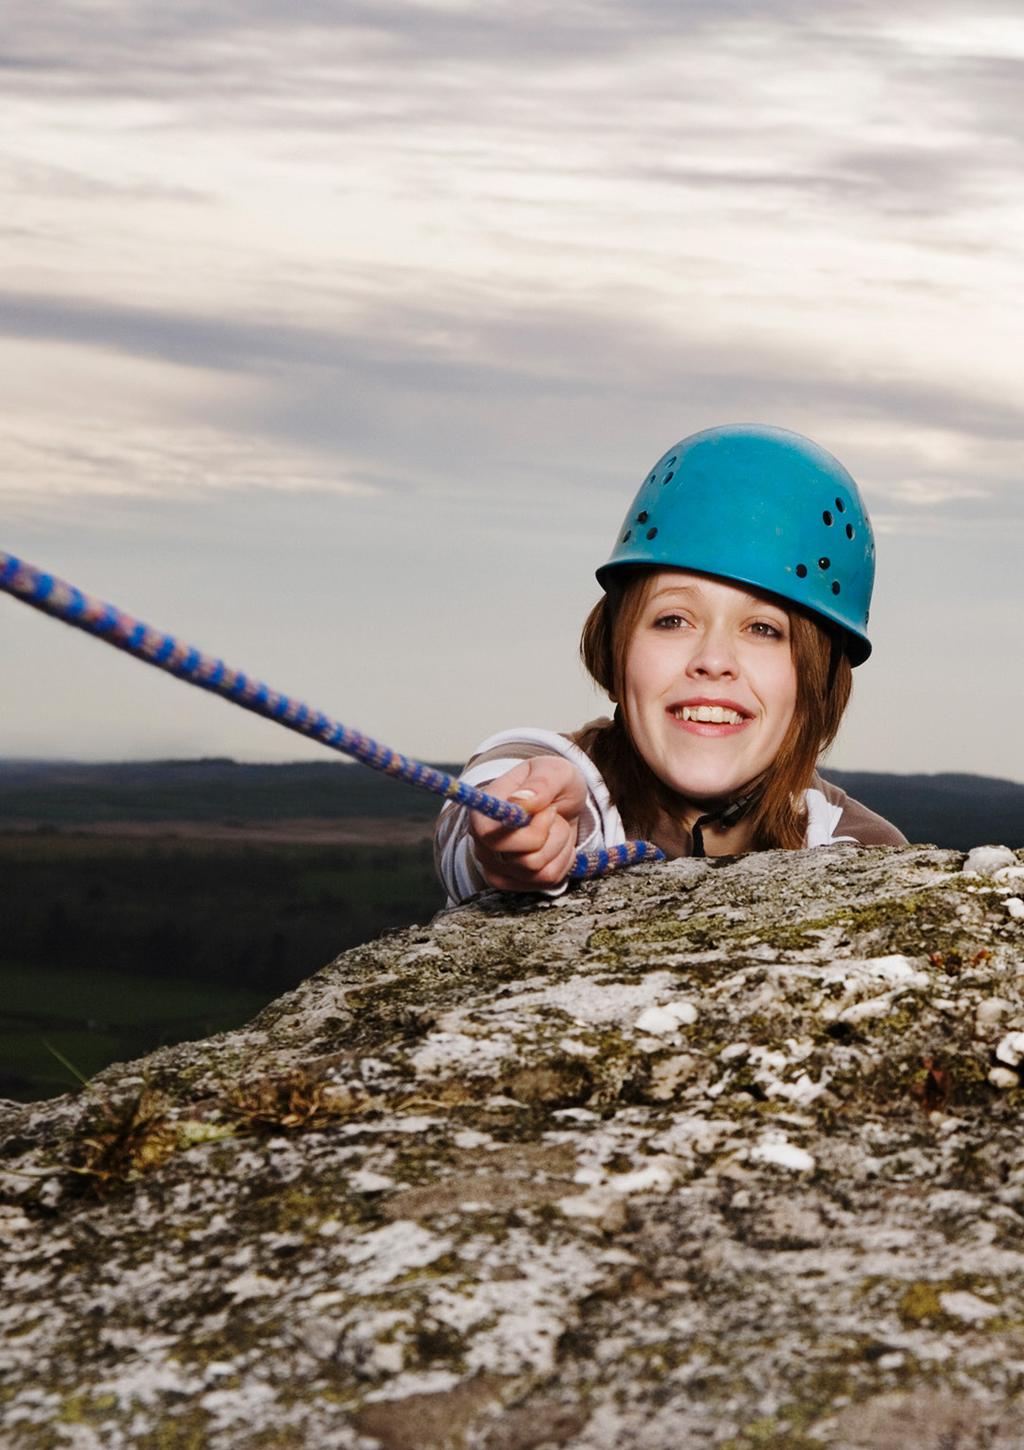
{"points": [[918, 181], [92, 459], [76, 185], [209, 341], [135, 44], [838, 106], [261, 50], [751, 211], [475, 400]]}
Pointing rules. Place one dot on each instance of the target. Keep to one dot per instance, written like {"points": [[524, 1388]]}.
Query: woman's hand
{"points": [[538, 855]]}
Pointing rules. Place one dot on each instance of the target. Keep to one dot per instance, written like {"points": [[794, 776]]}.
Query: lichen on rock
{"points": [[720, 1153]]}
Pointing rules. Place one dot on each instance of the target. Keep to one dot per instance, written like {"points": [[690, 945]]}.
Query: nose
{"points": [[714, 657]]}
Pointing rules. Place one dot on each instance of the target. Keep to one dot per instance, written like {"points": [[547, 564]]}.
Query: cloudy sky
{"points": [[336, 338]]}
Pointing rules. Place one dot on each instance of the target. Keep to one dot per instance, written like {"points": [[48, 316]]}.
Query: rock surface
{"points": [[707, 1154]]}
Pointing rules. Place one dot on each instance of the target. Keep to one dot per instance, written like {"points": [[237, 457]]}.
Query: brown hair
{"points": [[823, 682]]}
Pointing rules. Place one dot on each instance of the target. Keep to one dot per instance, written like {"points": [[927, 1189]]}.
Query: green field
{"points": [[102, 1017], [110, 947]]}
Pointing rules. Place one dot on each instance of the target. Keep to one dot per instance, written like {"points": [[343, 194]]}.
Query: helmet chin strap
{"points": [[724, 818]]}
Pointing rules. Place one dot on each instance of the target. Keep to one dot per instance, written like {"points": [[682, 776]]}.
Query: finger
{"points": [[514, 840], [505, 876], [505, 786], [502, 787], [551, 780], [535, 858], [546, 865]]}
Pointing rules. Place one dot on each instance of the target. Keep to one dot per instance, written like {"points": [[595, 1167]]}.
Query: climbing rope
{"points": [[64, 602]]}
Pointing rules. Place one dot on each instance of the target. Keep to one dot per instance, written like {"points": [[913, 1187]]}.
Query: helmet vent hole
{"points": [[627, 536], [642, 516], [670, 462], [801, 571], [835, 586], [668, 476], [840, 506], [826, 518], [652, 478], [850, 531], [651, 533], [824, 563]]}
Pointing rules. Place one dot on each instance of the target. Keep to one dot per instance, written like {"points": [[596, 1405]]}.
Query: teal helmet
{"points": [[757, 506]]}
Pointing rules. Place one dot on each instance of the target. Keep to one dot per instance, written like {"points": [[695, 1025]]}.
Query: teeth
{"points": [[709, 714]]}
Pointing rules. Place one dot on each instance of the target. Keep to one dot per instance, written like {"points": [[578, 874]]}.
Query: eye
{"points": [[669, 621], [766, 630]]}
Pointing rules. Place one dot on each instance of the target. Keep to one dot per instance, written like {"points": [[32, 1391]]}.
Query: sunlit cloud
{"points": [[146, 461], [469, 399]]}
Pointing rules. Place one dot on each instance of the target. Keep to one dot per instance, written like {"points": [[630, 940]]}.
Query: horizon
{"points": [[334, 758]]}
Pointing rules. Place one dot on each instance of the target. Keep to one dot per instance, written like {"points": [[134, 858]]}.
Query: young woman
{"points": [[735, 606]]}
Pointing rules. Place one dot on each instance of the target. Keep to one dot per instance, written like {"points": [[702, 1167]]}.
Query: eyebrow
{"points": [[668, 591]]}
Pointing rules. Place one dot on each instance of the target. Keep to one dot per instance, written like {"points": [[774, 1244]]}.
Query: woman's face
{"points": [[710, 685]]}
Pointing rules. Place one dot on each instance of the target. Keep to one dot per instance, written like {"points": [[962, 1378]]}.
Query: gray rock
{"points": [[488, 1183], [987, 860]]}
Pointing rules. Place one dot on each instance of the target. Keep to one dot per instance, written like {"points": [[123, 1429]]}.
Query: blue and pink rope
{"points": [[64, 602]]}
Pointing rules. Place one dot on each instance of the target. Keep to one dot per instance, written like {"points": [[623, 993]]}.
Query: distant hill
{"points": [[957, 811], [64, 793]]}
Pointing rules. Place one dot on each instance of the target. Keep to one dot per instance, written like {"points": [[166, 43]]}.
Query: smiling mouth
{"points": [[709, 714]]}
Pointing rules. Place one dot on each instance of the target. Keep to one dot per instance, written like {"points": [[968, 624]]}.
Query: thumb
{"points": [[550, 780]]}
